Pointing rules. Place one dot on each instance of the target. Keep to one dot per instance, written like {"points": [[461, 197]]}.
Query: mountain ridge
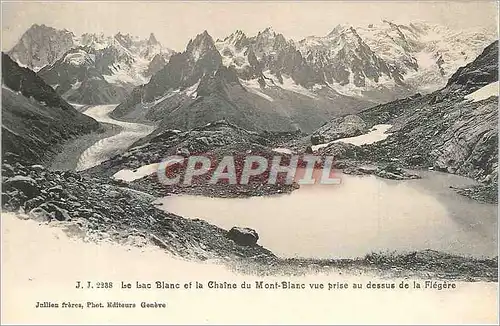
{"points": [[35, 119]]}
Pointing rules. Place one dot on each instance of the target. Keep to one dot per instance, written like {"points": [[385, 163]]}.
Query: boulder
{"points": [[33, 202], [59, 213], [25, 184], [243, 236], [317, 139], [39, 214]]}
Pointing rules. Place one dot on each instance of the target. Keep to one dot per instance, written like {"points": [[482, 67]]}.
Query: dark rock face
{"points": [[30, 84], [35, 119], [243, 236], [480, 72], [26, 185], [157, 63], [343, 127], [59, 213]]}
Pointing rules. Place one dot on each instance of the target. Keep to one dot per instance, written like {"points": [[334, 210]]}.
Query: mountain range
{"points": [[91, 68], [260, 82]]}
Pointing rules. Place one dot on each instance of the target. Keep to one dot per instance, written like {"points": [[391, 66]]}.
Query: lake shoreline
{"points": [[88, 208], [419, 265]]}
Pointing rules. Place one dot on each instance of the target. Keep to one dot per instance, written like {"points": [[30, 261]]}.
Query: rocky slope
{"points": [[91, 68], [35, 119], [99, 210], [79, 76]]}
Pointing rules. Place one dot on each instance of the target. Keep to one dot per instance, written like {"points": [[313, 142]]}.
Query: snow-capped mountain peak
{"points": [[41, 45], [125, 58], [203, 44]]}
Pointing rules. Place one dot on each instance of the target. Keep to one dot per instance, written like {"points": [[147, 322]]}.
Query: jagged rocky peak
{"points": [[266, 37], [268, 42], [35, 28], [280, 41], [203, 44], [237, 39], [346, 36], [268, 31], [94, 40], [41, 45], [202, 39], [152, 39], [125, 40], [339, 29]]}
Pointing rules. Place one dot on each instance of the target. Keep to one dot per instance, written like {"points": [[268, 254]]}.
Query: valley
{"points": [[107, 147]]}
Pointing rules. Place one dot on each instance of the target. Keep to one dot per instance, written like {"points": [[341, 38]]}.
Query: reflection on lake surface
{"points": [[361, 215]]}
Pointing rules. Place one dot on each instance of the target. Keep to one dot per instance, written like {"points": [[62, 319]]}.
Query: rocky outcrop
{"points": [[243, 236], [214, 141], [342, 127]]}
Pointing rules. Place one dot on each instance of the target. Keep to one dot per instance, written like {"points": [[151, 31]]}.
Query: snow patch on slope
{"points": [[484, 92], [253, 86], [78, 58], [131, 175], [376, 134]]}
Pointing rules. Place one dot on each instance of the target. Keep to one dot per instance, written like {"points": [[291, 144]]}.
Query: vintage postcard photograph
{"points": [[249, 162]]}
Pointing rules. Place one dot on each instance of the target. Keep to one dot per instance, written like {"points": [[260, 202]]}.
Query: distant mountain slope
{"points": [[280, 83], [35, 119], [79, 77], [376, 60], [454, 129]]}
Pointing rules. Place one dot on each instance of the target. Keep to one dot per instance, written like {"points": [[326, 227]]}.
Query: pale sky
{"points": [[175, 22]]}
